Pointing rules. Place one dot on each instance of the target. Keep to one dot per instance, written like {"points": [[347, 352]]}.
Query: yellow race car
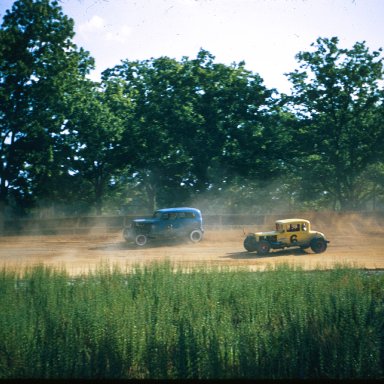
{"points": [[288, 233]]}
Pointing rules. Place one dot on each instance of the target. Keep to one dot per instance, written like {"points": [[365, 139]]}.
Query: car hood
{"points": [[270, 233]]}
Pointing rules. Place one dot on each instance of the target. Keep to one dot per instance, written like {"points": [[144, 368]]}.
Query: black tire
{"points": [[141, 240], [318, 245], [250, 244], [196, 235], [263, 247]]}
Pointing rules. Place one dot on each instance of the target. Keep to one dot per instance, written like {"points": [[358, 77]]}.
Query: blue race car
{"points": [[166, 223]]}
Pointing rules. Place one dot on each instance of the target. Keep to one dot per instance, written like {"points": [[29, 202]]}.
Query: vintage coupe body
{"points": [[166, 223], [288, 233]]}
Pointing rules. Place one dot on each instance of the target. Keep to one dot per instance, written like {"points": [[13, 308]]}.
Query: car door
{"points": [[174, 223], [294, 232], [303, 236]]}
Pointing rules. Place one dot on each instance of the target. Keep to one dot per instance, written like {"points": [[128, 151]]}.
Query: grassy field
{"points": [[158, 323]]}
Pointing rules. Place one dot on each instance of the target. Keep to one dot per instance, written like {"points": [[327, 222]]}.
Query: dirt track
{"points": [[360, 244]]}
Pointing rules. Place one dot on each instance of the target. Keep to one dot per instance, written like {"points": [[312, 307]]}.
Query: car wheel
{"points": [[263, 247], [196, 235], [141, 240], [250, 244], [318, 245]]}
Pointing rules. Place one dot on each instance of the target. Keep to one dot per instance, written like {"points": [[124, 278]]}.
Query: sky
{"points": [[266, 34]]}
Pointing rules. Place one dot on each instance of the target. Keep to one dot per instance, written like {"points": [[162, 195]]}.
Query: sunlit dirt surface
{"points": [[356, 243]]}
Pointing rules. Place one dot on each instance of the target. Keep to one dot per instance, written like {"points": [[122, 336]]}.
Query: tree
{"points": [[94, 133], [233, 104], [338, 100], [145, 96], [186, 117], [39, 67]]}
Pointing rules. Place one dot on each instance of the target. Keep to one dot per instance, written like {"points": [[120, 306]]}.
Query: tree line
{"points": [[167, 132]]}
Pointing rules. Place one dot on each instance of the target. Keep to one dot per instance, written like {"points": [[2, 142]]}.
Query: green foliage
{"points": [[189, 123], [39, 67], [162, 132], [94, 136], [158, 322], [338, 98]]}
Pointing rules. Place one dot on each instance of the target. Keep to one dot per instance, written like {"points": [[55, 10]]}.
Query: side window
{"points": [[279, 227], [304, 227], [294, 228]]}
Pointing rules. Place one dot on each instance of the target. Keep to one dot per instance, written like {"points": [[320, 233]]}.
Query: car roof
{"points": [[290, 221], [178, 209]]}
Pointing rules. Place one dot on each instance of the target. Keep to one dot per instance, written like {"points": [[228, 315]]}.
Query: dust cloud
{"points": [[355, 239]]}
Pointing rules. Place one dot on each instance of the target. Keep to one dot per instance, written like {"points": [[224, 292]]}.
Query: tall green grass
{"points": [[155, 322]]}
